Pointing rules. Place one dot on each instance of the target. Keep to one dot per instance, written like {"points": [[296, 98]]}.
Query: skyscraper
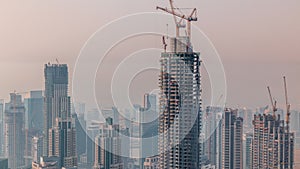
{"points": [[180, 97], [180, 106], [14, 131], [212, 126], [273, 143], [59, 130], [1, 127], [248, 150], [148, 128], [108, 146], [34, 120], [232, 140], [34, 106]]}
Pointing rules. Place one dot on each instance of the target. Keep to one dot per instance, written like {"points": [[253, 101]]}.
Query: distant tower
{"points": [[150, 102], [1, 127], [272, 145], [34, 120], [60, 133], [14, 131], [34, 110], [108, 146], [248, 150], [213, 136], [232, 140]]}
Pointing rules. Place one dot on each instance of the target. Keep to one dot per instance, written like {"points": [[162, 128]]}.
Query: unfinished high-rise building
{"points": [[180, 102], [272, 144]]}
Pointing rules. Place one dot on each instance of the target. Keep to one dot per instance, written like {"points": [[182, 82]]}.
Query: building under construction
{"points": [[273, 143], [180, 103]]}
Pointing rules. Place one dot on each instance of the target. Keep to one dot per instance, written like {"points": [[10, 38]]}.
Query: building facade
{"points": [[151, 162], [59, 129], [3, 163], [232, 140], [108, 147], [14, 131], [273, 143], [212, 125], [248, 150], [47, 163], [180, 106], [37, 148], [34, 120], [1, 127]]}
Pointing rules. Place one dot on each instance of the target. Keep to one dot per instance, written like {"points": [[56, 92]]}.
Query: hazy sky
{"points": [[258, 41]]}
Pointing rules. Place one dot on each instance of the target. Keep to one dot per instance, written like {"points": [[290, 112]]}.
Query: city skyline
{"points": [[244, 65], [140, 85]]}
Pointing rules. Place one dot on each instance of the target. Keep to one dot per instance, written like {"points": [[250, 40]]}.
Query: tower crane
{"points": [[288, 106], [164, 43], [273, 103], [179, 24], [15, 123]]}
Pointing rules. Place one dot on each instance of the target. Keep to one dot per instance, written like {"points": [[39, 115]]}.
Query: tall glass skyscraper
{"points": [[60, 134]]}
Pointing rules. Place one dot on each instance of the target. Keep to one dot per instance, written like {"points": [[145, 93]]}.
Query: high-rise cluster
{"points": [[273, 144]]}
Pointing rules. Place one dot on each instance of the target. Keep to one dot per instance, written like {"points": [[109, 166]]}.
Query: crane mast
{"points": [[288, 106], [273, 103], [179, 24]]}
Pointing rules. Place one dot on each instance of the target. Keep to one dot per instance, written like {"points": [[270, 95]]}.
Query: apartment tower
{"points": [[272, 144], [232, 140]]}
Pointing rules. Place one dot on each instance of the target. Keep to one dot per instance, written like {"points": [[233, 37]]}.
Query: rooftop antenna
{"points": [[273, 103], [288, 106], [167, 31]]}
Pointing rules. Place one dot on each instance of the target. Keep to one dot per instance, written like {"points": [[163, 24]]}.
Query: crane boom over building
{"points": [[188, 18], [273, 102]]}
